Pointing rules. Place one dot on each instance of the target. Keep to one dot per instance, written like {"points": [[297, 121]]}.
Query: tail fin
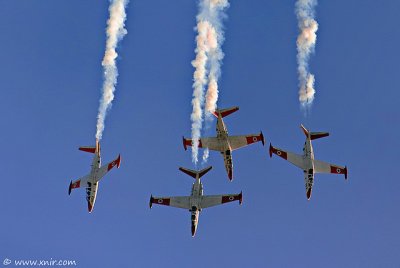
{"points": [[226, 112], [195, 173], [314, 135], [304, 130], [91, 149]]}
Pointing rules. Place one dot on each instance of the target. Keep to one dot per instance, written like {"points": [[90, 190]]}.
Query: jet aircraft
{"points": [[224, 143], [196, 201], [91, 181], [306, 162]]}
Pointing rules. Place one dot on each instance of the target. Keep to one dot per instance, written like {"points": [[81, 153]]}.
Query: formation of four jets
{"points": [[224, 144]]}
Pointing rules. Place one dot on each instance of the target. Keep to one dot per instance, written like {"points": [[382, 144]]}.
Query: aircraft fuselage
{"points": [[93, 181], [195, 199], [226, 149], [308, 155]]}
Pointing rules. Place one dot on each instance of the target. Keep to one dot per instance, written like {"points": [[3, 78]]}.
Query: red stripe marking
{"points": [[76, 184], [112, 164], [189, 142], [337, 170], [161, 201], [253, 139], [229, 198], [280, 153]]}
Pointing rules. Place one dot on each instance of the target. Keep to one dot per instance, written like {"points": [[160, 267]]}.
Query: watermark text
{"points": [[50, 262]]}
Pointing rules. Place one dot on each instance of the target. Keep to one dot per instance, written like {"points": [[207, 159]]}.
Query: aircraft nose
{"points": [[193, 230], [309, 194], [90, 207], [230, 175]]}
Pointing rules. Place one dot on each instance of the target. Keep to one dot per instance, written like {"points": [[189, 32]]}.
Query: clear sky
{"points": [[51, 78]]}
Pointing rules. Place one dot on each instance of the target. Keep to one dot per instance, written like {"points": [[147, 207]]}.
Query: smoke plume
{"points": [[200, 80], [207, 65], [305, 46], [115, 32]]}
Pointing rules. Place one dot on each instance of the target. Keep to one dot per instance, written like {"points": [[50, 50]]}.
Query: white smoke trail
{"points": [[208, 54], [305, 46], [205, 155], [199, 77], [215, 14], [115, 32]]}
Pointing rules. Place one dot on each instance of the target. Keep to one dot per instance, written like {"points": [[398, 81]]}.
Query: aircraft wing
{"points": [[173, 201], [211, 143], [81, 182], [293, 158], [237, 142], [215, 200], [323, 167], [107, 167]]}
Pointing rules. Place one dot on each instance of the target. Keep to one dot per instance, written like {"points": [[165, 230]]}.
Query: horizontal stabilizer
{"points": [[314, 135], [88, 149], [317, 135], [226, 112], [195, 173], [91, 149]]}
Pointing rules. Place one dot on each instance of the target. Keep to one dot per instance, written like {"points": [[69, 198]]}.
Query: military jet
{"points": [[91, 181], [196, 201], [306, 162], [224, 143]]}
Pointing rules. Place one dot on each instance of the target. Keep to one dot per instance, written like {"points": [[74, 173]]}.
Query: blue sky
{"points": [[51, 79]]}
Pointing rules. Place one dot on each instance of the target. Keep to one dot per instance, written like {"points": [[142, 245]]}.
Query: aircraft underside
{"points": [[309, 181], [91, 192], [227, 155]]}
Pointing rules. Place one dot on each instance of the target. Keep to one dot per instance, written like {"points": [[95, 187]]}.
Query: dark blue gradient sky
{"points": [[51, 78]]}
